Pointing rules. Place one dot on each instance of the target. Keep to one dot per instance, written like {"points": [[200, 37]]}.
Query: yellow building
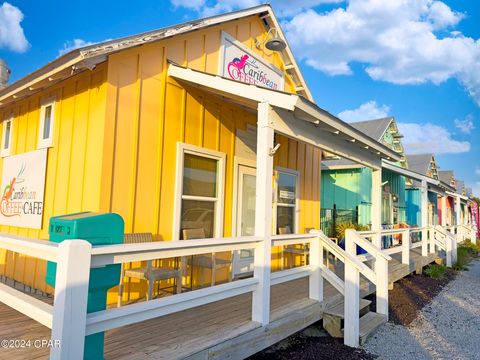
{"points": [[161, 128]]}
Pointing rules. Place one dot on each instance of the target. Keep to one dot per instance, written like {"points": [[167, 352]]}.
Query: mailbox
{"points": [[98, 229]]}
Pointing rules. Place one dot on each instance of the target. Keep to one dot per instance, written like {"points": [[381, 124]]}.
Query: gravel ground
{"points": [[447, 328]]}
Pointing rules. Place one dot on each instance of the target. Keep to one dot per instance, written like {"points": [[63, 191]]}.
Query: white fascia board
{"points": [[290, 54], [36, 80], [456, 195], [219, 84], [285, 123], [408, 173], [321, 115]]}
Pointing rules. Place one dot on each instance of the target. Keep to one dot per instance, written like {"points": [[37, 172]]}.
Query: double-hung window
{"points": [[286, 201], [199, 203], [47, 117], [7, 130]]}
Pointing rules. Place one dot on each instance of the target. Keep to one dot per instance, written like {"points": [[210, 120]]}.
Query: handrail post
{"points": [[381, 272], [70, 302], [449, 250], [316, 262], [425, 237], [352, 294], [432, 239], [406, 247]]}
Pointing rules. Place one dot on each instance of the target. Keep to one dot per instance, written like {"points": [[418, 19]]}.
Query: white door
{"points": [[245, 221]]}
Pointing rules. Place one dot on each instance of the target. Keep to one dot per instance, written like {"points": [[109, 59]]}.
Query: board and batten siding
{"points": [[73, 171], [149, 113], [347, 189]]}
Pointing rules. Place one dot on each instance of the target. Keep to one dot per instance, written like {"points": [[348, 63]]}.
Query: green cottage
{"points": [[346, 187]]}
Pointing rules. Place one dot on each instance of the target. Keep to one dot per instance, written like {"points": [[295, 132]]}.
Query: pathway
{"points": [[447, 328]]}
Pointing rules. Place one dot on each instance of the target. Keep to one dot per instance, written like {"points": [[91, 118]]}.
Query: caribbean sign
{"points": [[23, 185], [239, 63]]}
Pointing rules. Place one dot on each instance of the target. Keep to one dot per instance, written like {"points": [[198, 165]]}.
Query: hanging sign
{"points": [[289, 195], [239, 63], [23, 185]]}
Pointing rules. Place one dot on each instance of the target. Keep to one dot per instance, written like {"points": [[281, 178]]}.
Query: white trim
{"points": [[277, 171], [48, 142], [6, 152], [183, 148], [239, 162]]}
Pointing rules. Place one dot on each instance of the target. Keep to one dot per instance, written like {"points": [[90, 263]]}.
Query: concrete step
{"points": [[333, 317], [369, 323]]}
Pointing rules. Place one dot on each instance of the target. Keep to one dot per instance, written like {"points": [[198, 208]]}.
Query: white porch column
{"points": [[444, 210], [263, 215], [424, 215], [376, 211], [458, 211]]}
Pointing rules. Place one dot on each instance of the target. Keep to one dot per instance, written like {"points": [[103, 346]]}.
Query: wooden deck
{"points": [[397, 270], [221, 329]]}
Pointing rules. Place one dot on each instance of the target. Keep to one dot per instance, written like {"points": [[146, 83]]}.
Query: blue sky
{"points": [[417, 60]]}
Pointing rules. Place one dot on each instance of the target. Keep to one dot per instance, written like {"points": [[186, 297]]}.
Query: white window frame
{"points": [[48, 142], [6, 152], [219, 200], [296, 206]]}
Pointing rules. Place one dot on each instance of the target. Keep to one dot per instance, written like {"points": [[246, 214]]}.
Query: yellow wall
{"points": [[116, 131], [147, 114], [73, 163]]}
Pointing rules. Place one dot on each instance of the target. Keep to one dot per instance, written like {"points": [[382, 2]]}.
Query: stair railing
{"points": [[446, 241]]}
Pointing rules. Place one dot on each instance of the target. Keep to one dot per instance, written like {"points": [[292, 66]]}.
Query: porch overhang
{"points": [[292, 115], [459, 196], [409, 173]]}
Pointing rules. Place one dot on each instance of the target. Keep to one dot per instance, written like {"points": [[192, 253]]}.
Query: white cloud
{"points": [[367, 111], [423, 138], [72, 45], [477, 171], [283, 8], [466, 125], [11, 32], [398, 41]]}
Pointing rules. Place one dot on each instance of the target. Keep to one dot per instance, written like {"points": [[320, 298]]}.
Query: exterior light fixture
{"points": [[275, 43]]}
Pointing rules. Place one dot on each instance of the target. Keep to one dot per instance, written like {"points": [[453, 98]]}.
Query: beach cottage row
{"points": [[205, 139]]}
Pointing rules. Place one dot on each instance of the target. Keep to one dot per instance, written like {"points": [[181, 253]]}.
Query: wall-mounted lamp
{"points": [[275, 43]]}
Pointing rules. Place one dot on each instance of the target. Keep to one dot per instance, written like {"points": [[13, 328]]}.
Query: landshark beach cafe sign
{"points": [[239, 63], [23, 185]]}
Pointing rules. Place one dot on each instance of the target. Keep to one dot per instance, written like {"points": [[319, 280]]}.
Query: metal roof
{"points": [[419, 162], [88, 57], [373, 128]]}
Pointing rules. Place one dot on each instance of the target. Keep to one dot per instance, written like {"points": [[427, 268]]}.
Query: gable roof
{"points": [[419, 162], [88, 57], [445, 176], [373, 128]]}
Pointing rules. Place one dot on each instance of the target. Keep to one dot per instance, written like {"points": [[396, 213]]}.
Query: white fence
{"points": [[70, 322]]}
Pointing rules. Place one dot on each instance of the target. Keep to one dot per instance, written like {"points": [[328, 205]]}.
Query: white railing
{"points": [[378, 275], [68, 317], [446, 241], [70, 322]]}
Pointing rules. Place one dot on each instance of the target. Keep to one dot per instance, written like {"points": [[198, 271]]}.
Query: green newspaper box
{"points": [[98, 229]]}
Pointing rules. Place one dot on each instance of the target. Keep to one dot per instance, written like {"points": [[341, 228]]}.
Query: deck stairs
{"points": [[333, 320]]}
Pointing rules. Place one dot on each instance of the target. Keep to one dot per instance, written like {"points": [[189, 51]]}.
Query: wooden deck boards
{"points": [[200, 332]]}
